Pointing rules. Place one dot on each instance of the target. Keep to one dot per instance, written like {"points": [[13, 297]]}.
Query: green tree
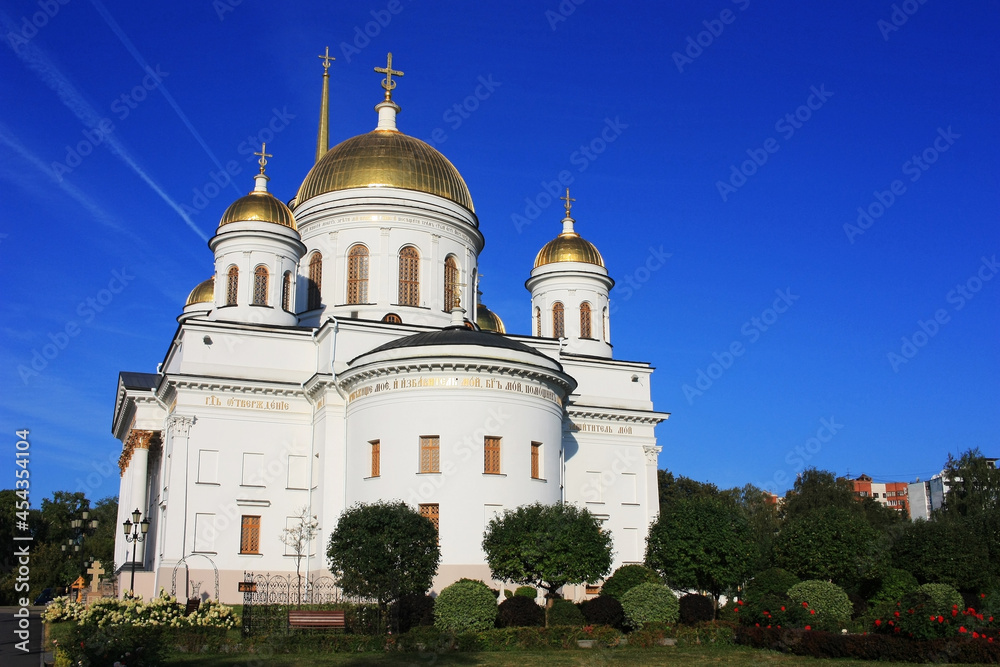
{"points": [[384, 551], [673, 488], [973, 485], [703, 543], [831, 543], [761, 513], [299, 539], [547, 546], [942, 552], [816, 490]]}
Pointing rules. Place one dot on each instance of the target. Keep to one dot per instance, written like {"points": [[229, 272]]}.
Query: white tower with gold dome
{"points": [[569, 292], [257, 252]]}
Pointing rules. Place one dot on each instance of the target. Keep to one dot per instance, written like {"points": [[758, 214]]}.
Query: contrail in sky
{"points": [[162, 86], [41, 64]]}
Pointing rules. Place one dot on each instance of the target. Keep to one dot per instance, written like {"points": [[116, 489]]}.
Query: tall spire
{"points": [[323, 138]]}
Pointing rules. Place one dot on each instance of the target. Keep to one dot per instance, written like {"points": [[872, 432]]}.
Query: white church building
{"points": [[340, 354]]}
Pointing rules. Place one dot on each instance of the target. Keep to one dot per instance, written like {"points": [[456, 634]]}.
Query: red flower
{"points": [[758, 625], [897, 629], [896, 613], [779, 627], [982, 595], [769, 626], [975, 635], [805, 604], [962, 630], [878, 622], [940, 619], [782, 608], [808, 627], [991, 619], [990, 640], [812, 611], [954, 612], [739, 602], [932, 618]]}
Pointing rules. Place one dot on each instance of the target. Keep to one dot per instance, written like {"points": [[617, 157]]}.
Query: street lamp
{"points": [[81, 526], [135, 532]]}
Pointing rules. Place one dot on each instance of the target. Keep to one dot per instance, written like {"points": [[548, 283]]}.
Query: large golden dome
{"points": [[487, 320], [204, 292], [259, 205], [568, 247], [385, 158]]}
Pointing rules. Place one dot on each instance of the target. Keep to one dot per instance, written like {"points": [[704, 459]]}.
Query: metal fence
{"points": [[268, 597]]}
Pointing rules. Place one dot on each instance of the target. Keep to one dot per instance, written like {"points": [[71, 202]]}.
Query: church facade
{"points": [[341, 354]]}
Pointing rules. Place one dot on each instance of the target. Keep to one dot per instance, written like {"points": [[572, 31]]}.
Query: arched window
{"points": [[260, 286], [558, 321], [286, 291], [357, 274], [315, 281], [585, 320], [538, 321], [392, 318], [607, 326], [232, 285], [409, 277], [451, 293]]}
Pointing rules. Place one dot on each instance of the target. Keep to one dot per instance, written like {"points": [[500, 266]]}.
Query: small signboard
{"points": [[248, 587]]}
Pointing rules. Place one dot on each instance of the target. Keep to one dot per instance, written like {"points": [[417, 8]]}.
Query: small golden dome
{"points": [[385, 158], [568, 247], [259, 205], [204, 292], [487, 320]]}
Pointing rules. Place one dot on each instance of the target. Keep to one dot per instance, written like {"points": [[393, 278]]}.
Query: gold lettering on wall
{"points": [[454, 382]]}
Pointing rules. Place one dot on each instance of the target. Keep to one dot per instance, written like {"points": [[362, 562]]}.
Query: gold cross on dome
{"points": [[569, 202], [263, 157], [389, 72], [326, 58]]}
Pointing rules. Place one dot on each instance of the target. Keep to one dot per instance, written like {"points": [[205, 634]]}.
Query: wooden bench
{"points": [[323, 620]]}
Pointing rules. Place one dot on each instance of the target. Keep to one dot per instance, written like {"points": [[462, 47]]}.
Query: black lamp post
{"points": [[81, 526], [135, 532]]}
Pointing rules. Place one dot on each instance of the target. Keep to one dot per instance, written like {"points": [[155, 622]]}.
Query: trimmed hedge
{"points": [[828, 606], [465, 606], [603, 610], [894, 585], [628, 577], [563, 612], [696, 609], [943, 597], [520, 612], [819, 644], [650, 603]]}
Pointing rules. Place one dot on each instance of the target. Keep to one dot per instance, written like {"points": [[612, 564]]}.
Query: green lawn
{"points": [[632, 657]]}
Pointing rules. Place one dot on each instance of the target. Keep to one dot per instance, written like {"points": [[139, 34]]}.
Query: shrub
{"points": [[765, 595], [564, 612], [465, 606], [894, 585], [650, 603], [943, 597], [603, 610], [90, 644], [520, 612], [696, 609], [414, 610], [828, 605], [626, 578], [527, 592]]}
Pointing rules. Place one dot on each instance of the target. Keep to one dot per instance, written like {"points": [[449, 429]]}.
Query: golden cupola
{"points": [[569, 247], [204, 292], [260, 205], [486, 319], [383, 158]]}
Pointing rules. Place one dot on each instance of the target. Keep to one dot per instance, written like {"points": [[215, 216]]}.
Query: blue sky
{"points": [[740, 138]]}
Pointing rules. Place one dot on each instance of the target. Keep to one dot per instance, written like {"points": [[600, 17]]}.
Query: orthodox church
{"points": [[341, 354]]}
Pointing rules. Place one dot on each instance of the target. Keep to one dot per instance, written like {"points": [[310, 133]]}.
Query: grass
{"points": [[631, 657]]}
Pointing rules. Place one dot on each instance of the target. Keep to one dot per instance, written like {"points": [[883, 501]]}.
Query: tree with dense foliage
{"points": [[831, 543], [673, 488], [818, 490], [383, 551], [703, 543], [973, 485], [761, 512], [942, 551], [547, 546]]}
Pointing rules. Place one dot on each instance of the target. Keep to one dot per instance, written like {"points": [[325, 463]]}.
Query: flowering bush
{"points": [[820, 605], [919, 616], [944, 598], [161, 611]]}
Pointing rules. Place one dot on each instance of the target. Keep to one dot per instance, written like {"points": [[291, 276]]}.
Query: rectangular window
{"points": [[630, 487], [431, 512], [204, 533], [298, 471], [376, 453], [536, 469], [250, 535], [430, 453], [208, 466], [253, 470], [491, 455]]}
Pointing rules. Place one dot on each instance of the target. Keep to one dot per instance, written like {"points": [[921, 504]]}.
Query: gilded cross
{"points": [[326, 58], [263, 157], [389, 72], [569, 202]]}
